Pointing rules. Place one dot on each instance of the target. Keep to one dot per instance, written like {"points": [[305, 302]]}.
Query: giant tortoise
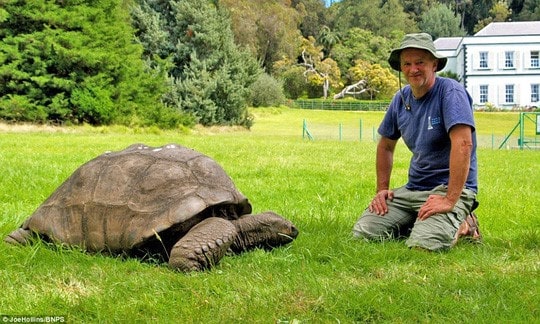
{"points": [[169, 201]]}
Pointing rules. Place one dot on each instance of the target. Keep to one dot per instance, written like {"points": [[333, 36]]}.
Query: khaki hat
{"points": [[421, 41]]}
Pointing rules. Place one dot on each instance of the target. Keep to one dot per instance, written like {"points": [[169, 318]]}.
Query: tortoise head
{"points": [[266, 230]]}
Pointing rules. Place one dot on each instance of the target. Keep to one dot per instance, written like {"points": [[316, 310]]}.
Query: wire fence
{"points": [[340, 132], [368, 133], [341, 105]]}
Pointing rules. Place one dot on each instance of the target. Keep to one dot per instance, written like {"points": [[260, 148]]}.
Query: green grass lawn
{"points": [[322, 277]]}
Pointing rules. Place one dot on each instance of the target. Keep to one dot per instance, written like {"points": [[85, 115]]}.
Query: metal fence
{"points": [[340, 105], [342, 132], [368, 133]]}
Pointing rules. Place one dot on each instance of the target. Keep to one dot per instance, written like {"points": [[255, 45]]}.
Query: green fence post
{"points": [[360, 131], [305, 131], [521, 131]]}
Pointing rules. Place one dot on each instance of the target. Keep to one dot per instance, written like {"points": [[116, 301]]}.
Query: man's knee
{"points": [[369, 228], [432, 234]]}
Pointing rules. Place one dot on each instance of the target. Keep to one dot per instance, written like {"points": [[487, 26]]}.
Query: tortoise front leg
{"points": [[19, 236], [265, 230], [203, 246]]}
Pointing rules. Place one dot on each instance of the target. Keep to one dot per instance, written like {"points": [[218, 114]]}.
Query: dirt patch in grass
{"points": [[210, 130], [33, 128]]}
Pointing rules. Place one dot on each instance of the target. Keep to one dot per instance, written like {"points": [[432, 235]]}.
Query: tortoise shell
{"points": [[122, 200]]}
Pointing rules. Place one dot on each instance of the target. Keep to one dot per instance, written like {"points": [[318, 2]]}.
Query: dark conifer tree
{"points": [[209, 76], [75, 62]]}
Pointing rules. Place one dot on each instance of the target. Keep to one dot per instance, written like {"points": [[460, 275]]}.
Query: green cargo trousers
{"points": [[434, 233]]}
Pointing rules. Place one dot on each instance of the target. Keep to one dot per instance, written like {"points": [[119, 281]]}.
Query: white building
{"points": [[499, 66]]}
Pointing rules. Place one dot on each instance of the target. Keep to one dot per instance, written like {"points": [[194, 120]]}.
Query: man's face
{"points": [[418, 67]]}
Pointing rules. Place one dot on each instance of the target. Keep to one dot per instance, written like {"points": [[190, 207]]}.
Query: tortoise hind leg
{"points": [[19, 236], [203, 246]]}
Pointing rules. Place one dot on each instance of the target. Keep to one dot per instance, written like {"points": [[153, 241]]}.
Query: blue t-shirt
{"points": [[424, 129]]}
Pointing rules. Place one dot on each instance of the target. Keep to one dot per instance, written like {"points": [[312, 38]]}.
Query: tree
{"points": [[359, 43], [209, 76], [393, 17], [416, 8], [73, 62], [382, 18], [267, 28], [266, 92], [499, 12], [328, 39], [474, 11], [450, 74], [319, 71], [440, 21], [292, 76], [381, 82], [355, 89], [313, 16], [530, 11]]}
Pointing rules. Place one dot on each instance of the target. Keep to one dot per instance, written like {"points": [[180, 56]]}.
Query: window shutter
{"points": [[502, 94], [501, 58], [475, 60]]}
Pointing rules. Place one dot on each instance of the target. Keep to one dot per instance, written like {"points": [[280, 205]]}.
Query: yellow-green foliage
{"points": [[380, 80]]}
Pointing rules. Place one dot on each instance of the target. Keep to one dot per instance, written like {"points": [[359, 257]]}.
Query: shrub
{"points": [[294, 82], [266, 92], [14, 108]]}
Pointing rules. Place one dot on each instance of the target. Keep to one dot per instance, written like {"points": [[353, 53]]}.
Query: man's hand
{"points": [[378, 204], [435, 204]]}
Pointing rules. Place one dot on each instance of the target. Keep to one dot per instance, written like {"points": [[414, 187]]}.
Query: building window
{"points": [[509, 59], [483, 60], [483, 93], [509, 94], [535, 92], [535, 59]]}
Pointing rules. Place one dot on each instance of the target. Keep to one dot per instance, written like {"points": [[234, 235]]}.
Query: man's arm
{"points": [[460, 161], [384, 163]]}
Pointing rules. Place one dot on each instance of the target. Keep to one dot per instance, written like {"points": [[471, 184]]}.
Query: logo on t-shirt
{"points": [[433, 121]]}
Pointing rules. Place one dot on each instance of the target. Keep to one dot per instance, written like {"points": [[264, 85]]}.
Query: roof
{"points": [[447, 43], [510, 28]]}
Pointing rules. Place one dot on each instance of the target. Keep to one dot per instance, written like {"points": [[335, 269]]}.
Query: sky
{"points": [[329, 2]]}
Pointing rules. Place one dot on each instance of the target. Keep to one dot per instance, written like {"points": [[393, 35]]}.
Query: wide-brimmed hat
{"points": [[421, 41]]}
